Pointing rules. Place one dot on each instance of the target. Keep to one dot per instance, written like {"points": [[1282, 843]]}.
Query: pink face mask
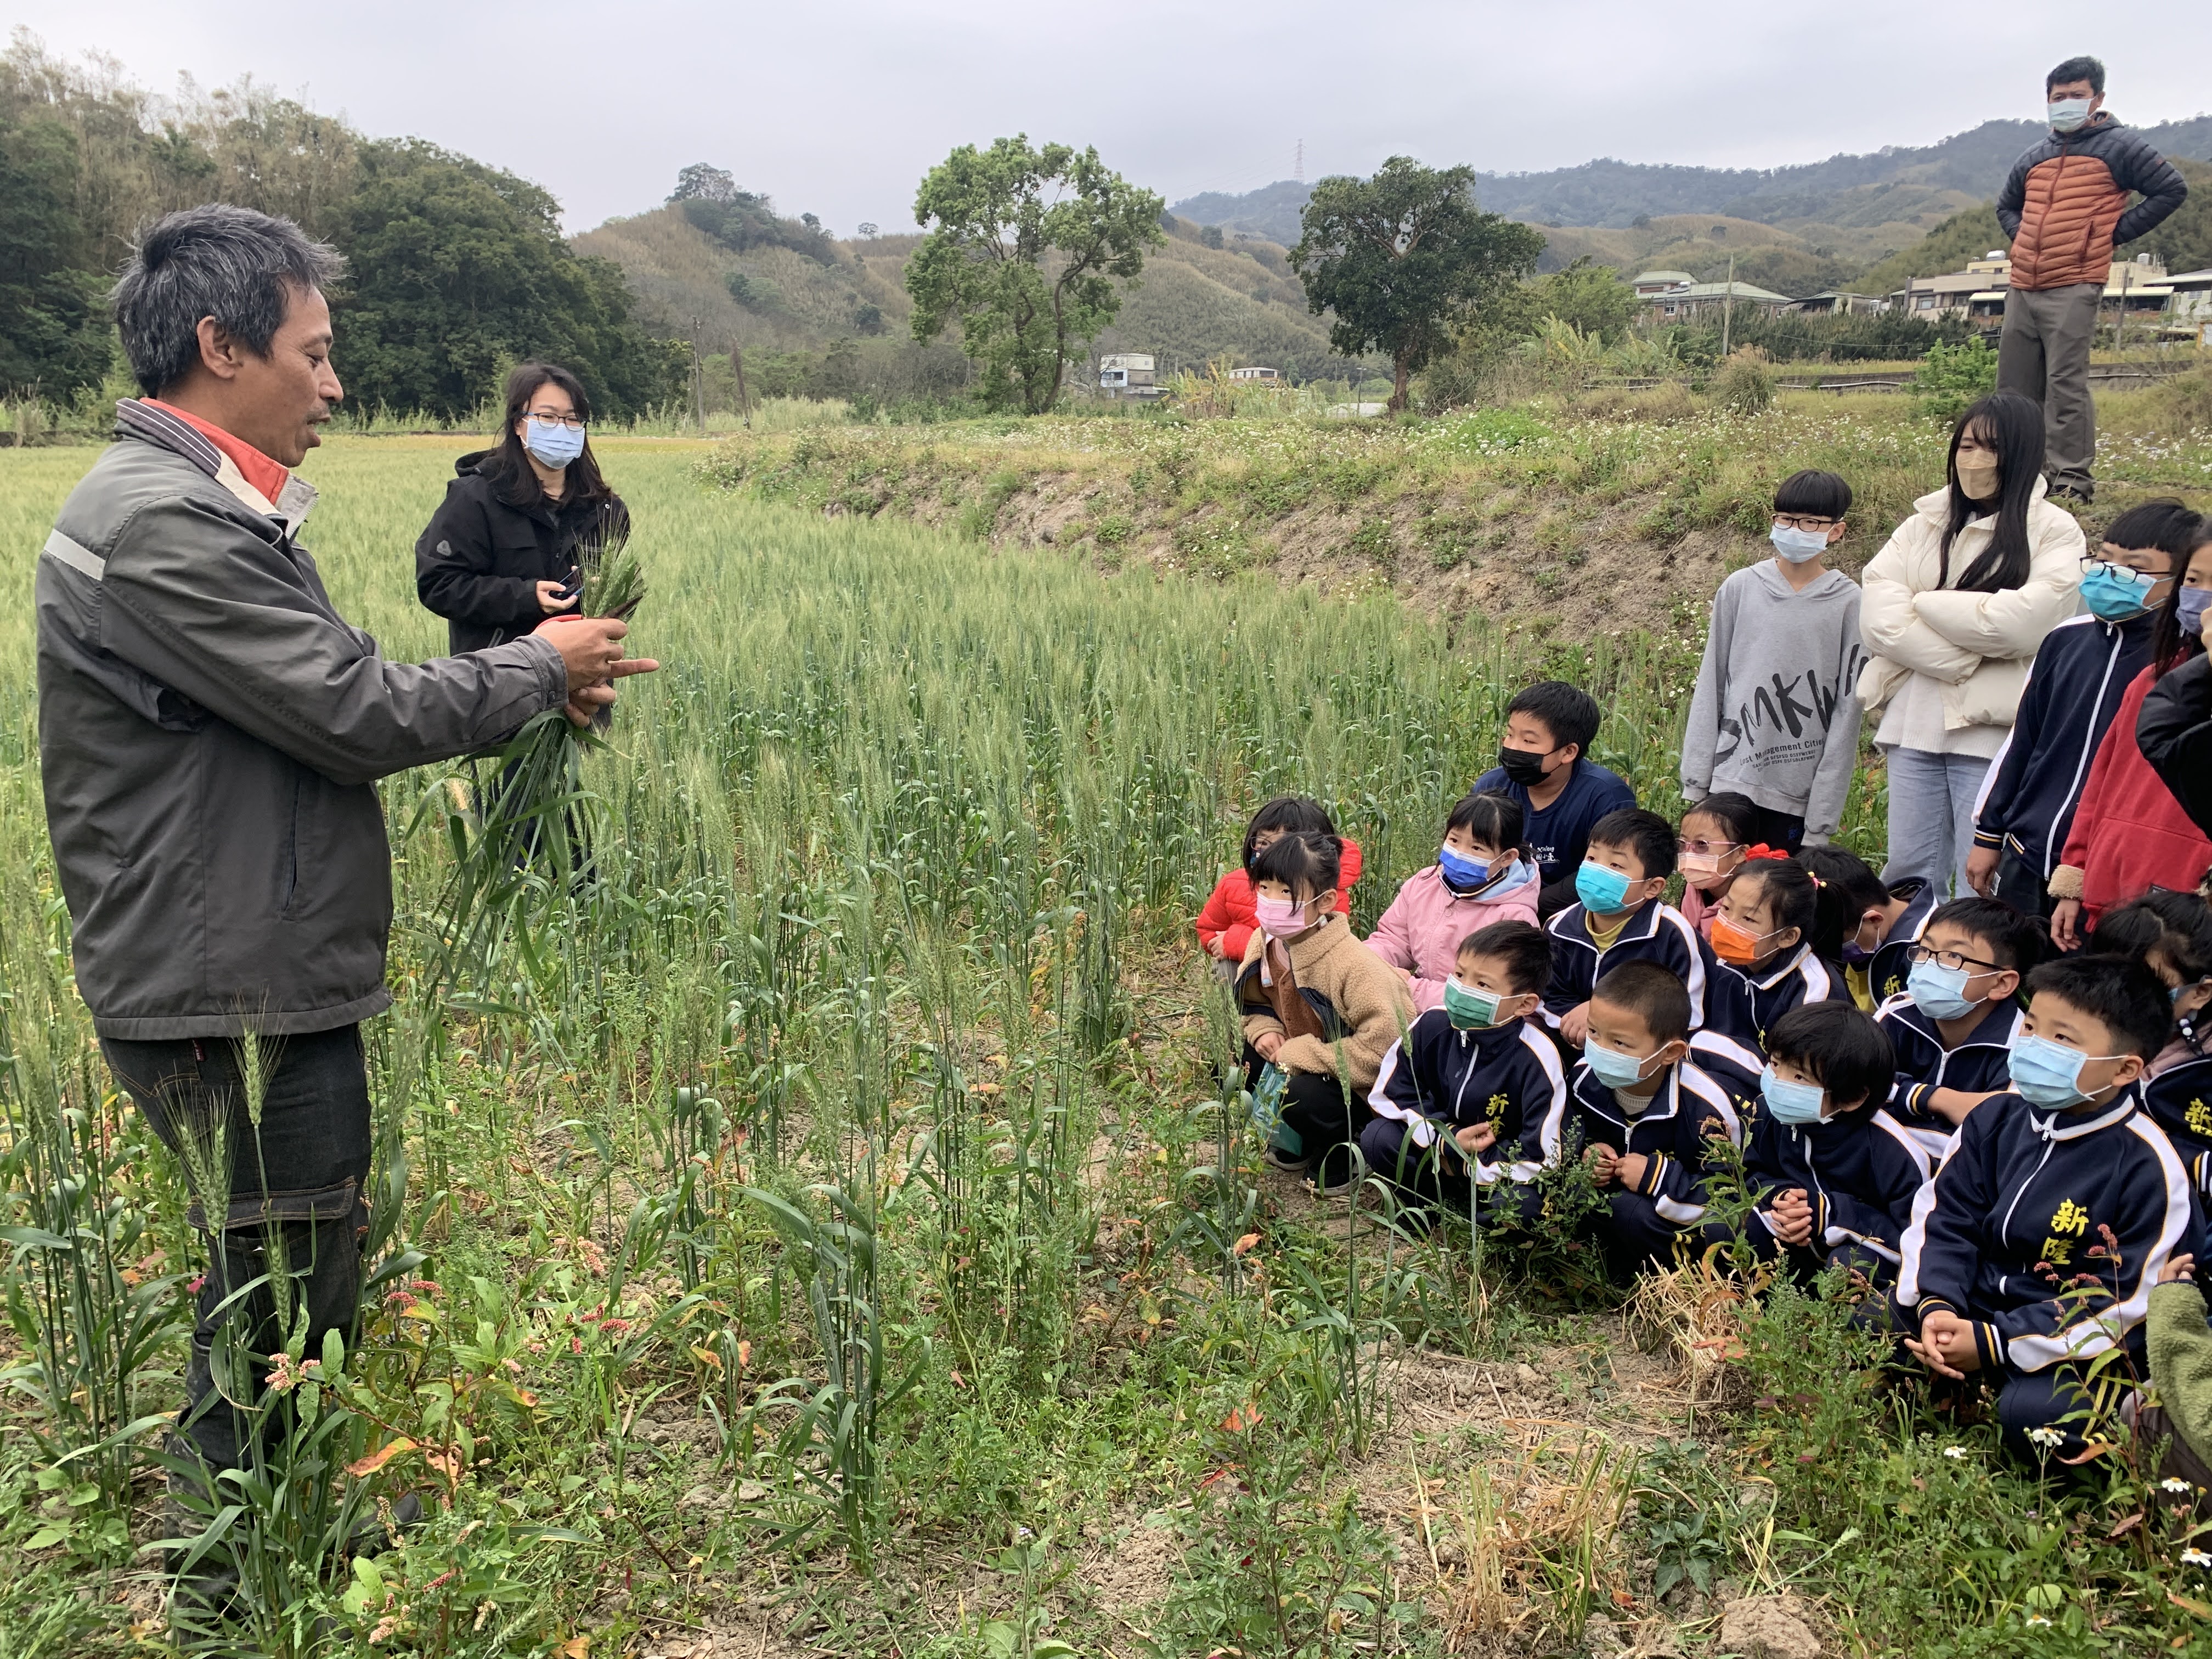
{"points": [[1279, 918]]}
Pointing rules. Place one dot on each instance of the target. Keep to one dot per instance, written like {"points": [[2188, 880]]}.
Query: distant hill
{"points": [[1861, 198], [1194, 302]]}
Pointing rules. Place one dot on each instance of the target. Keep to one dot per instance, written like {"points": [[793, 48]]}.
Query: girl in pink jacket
{"points": [[1483, 874]]}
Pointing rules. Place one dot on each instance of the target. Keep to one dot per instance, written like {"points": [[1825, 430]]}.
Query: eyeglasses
{"points": [[573, 423], [1953, 960], [1805, 521], [1701, 849]]}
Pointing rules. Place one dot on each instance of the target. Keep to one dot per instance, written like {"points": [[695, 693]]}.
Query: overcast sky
{"points": [[838, 109]]}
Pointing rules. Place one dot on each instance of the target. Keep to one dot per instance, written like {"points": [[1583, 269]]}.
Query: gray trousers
{"points": [[1931, 817], [2043, 354]]}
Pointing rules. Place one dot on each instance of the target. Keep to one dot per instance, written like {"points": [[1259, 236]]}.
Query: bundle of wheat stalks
{"points": [[530, 815]]}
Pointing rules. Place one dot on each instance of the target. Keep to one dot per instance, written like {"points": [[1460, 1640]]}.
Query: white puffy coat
{"points": [[1976, 647]]}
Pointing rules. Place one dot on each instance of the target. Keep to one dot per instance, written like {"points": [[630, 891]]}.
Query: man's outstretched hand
{"points": [[591, 650]]}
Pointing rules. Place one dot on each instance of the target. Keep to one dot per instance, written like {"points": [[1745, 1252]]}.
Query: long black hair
{"points": [[2012, 425], [508, 466], [2170, 647], [1821, 911]]}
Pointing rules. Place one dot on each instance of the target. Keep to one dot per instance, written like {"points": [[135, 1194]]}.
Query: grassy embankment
{"points": [[1563, 517], [903, 839]]}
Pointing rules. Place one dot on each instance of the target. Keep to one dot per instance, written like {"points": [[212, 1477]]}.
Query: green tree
{"points": [[1029, 251], [1405, 260], [1592, 297], [458, 269], [55, 335]]}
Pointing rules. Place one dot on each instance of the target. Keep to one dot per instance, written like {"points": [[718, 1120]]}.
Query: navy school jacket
{"points": [[1887, 968], [1657, 933], [1509, 1076], [1735, 1066], [2016, 1208], [2180, 1099], [1861, 1170], [1983, 1062], [1742, 1006], [1690, 1106], [2081, 671]]}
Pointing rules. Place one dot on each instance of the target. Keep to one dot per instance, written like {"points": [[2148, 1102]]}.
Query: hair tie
{"points": [[1763, 851]]}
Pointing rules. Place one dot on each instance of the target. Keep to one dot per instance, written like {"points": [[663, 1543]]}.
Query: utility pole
{"points": [[1300, 172], [1728, 307], [744, 403], [698, 378]]}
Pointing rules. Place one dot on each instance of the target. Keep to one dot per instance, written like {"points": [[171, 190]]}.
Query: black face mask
{"points": [[1523, 766]]}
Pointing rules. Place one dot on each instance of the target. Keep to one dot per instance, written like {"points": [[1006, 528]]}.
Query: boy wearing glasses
{"points": [[1952, 1028], [2081, 671], [1776, 713]]}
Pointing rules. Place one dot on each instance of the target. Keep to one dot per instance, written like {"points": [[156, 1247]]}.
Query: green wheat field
{"points": [[825, 1232]]}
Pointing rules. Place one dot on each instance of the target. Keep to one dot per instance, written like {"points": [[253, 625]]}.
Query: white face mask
{"points": [[2068, 114], [1798, 546]]}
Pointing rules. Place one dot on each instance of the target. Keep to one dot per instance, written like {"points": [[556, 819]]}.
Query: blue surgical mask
{"points": [[1798, 546], [1611, 1068], [2113, 592], [2068, 114], [1603, 890], [1464, 874], [553, 444], [2049, 1074], [2191, 603], [1940, 992], [1790, 1102]]}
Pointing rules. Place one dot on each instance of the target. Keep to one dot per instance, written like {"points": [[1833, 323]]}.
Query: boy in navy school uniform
{"points": [[1889, 921], [2065, 1184], [1461, 1099], [1622, 917], [1544, 763], [2081, 671], [1952, 1025], [1836, 1174], [1643, 1114]]}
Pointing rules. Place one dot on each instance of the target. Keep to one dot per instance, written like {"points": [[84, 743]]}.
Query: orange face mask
{"points": [[1737, 946]]}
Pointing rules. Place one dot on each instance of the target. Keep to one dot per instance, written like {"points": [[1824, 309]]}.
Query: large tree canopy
{"points": [[55, 336], [458, 269], [1027, 252], [1405, 259]]}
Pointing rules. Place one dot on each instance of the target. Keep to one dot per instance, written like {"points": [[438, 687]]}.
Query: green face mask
{"points": [[1468, 1009]]}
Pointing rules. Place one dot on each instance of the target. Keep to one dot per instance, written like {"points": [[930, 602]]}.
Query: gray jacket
{"points": [[211, 732], [1776, 713]]}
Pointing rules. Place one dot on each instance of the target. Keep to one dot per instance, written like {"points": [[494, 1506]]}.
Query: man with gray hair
{"points": [[211, 731]]}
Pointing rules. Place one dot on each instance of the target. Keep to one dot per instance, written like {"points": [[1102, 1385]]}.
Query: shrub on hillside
{"points": [[1745, 382], [1951, 377]]}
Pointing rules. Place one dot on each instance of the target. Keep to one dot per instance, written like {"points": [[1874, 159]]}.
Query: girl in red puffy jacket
{"points": [[1225, 926], [2130, 834]]}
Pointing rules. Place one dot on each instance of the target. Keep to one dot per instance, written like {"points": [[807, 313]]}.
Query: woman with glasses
{"points": [[504, 549], [1952, 612]]}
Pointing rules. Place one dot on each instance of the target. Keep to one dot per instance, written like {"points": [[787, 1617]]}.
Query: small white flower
{"points": [[2195, 1559], [1955, 1453], [2174, 1483], [2045, 1437], [2035, 1619]]}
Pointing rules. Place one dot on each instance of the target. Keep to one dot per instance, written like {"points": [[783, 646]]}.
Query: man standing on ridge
{"points": [[2065, 208], [210, 733]]}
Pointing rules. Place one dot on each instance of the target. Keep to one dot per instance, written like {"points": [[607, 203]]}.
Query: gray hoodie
{"points": [[1776, 715]]}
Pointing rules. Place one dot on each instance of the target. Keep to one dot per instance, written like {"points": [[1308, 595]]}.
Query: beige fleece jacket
{"points": [[1371, 1000]]}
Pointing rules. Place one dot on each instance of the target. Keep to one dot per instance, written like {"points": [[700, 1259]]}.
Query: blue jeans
{"points": [[299, 1181], [1931, 817]]}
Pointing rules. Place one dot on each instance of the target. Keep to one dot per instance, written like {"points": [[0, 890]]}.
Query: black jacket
{"points": [[2082, 668], [488, 546], [1860, 1171], [1508, 1075], [1739, 1005], [2174, 732], [2018, 1207], [1980, 1065]]}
